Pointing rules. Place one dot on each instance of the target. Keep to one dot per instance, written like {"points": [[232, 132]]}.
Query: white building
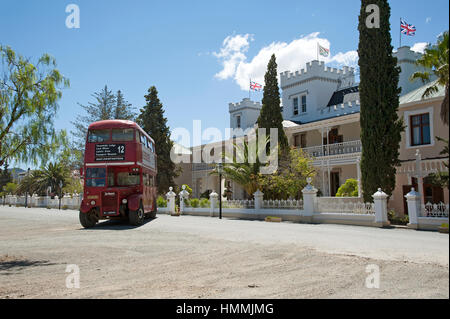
{"points": [[321, 112]]}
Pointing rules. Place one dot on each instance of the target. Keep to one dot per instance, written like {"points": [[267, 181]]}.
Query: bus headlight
{"points": [[93, 202], [124, 201]]}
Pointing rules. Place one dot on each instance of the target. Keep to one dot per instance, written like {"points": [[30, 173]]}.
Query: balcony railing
{"points": [[334, 149]]}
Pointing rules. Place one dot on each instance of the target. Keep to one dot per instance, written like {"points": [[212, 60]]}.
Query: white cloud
{"points": [[290, 57], [428, 20], [419, 47]]}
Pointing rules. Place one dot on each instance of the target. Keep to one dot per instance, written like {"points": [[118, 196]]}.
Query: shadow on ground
{"points": [[11, 263], [118, 224]]}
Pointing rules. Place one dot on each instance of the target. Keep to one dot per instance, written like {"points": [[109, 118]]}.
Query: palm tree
{"points": [[49, 176], [435, 61], [243, 168]]}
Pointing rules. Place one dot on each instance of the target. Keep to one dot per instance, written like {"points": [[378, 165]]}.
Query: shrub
{"points": [[204, 203], [161, 202], [205, 194], [195, 202], [349, 189], [396, 220]]}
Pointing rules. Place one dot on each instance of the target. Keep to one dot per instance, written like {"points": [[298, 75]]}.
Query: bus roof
{"points": [[106, 124]]}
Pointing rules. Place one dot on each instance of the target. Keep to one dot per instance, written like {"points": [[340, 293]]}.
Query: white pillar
{"points": [[309, 198], [380, 200], [419, 172], [414, 207], [184, 194], [213, 197], [171, 201], [259, 199]]}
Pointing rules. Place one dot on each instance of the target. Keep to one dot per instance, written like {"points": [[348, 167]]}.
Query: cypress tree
{"points": [[123, 109], [153, 122], [379, 95], [270, 116]]}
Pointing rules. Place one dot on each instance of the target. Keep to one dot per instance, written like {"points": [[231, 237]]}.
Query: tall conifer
{"points": [[270, 116], [152, 121], [379, 95]]}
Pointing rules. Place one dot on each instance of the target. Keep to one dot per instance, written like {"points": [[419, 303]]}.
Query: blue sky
{"points": [[176, 45]]}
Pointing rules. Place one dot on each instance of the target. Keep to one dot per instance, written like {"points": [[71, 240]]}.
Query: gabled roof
{"points": [[416, 95]]}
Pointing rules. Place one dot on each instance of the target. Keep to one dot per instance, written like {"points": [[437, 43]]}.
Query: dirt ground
{"points": [[202, 257]]}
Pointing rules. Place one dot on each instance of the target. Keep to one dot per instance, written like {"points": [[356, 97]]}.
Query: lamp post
{"points": [[60, 193], [26, 193], [220, 171]]}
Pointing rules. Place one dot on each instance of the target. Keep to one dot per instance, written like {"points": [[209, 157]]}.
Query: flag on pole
{"points": [[255, 86], [407, 29], [323, 51]]}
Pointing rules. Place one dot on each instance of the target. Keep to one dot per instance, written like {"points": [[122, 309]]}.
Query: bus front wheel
{"points": [[87, 220], [136, 217]]}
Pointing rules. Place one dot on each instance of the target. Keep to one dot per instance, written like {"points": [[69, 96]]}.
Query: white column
{"points": [[213, 201], [171, 201], [309, 198], [419, 172], [414, 207], [259, 198], [184, 194], [380, 200], [329, 178]]}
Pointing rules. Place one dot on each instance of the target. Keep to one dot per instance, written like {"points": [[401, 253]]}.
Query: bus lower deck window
{"points": [[96, 177]]}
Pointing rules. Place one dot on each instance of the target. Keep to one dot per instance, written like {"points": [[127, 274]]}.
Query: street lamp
{"points": [[220, 171], [26, 193], [60, 193]]}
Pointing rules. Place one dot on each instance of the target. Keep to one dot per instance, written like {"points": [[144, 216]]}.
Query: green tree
{"points": [[29, 93], [270, 115], [106, 106], [240, 166], [379, 95], [290, 178], [101, 109], [435, 61], [10, 188], [48, 176], [123, 110], [5, 176], [348, 189], [152, 121]]}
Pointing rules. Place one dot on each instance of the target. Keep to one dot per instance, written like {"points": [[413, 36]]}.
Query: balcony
{"points": [[352, 147]]}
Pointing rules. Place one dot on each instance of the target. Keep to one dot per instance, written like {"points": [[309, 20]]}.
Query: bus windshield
{"points": [[123, 135]]}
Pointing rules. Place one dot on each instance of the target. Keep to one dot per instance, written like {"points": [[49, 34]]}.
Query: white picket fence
{"points": [[68, 201]]}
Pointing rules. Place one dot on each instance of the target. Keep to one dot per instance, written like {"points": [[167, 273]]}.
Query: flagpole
{"points": [[249, 89], [317, 52], [400, 32]]}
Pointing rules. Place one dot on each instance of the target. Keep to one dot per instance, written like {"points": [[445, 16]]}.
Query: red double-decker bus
{"points": [[119, 173]]}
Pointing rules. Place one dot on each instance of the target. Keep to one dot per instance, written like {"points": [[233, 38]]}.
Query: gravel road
{"points": [[203, 257]]}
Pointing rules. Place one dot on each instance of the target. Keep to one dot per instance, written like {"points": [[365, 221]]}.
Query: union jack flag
{"points": [[255, 86], [407, 29]]}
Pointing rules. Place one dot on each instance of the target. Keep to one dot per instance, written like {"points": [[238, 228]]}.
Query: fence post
{"points": [[184, 194], [413, 200], [171, 201], [213, 201], [380, 200], [309, 200], [259, 199]]}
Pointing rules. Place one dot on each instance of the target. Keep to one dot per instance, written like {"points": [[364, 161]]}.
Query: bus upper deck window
{"points": [[123, 134], [142, 138], [96, 136]]}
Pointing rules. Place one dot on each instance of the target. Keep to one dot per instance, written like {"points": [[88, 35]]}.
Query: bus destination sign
{"points": [[110, 152]]}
